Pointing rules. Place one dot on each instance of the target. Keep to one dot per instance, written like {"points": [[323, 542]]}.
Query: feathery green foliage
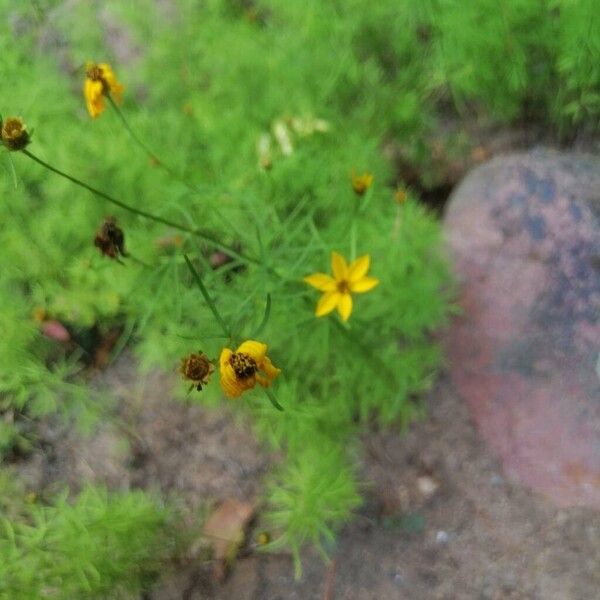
{"points": [[264, 108], [100, 546]]}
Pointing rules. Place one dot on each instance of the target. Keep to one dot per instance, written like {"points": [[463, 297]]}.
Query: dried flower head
{"points": [[347, 279], [110, 239], [14, 134], [361, 183], [100, 81], [243, 369], [196, 368]]}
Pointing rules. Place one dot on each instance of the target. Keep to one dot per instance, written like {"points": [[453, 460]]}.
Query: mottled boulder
{"points": [[524, 231]]}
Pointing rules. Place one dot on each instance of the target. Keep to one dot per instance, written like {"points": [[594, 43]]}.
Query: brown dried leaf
{"points": [[226, 528]]}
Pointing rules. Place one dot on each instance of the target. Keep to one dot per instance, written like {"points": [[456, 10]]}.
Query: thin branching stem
{"points": [[142, 213], [372, 357], [209, 301], [147, 150], [273, 399], [155, 159]]}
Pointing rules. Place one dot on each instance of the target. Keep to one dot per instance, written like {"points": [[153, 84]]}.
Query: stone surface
{"points": [[525, 234]]}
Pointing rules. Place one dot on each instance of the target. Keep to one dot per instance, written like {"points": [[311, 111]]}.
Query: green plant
{"points": [[515, 59], [261, 110], [99, 546]]}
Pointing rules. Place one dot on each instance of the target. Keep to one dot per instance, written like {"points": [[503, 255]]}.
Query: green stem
{"points": [[147, 150], [381, 367], [142, 213], [272, 399], [207, 298], [12, 170], [355, 213], [137, 260], [353, 240], [191, 187]]}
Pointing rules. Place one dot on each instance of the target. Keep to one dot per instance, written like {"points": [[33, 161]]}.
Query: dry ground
{"points": [[440, 520]]}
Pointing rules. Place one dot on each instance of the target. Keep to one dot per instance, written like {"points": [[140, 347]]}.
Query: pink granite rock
{"points": [[525, 234]]}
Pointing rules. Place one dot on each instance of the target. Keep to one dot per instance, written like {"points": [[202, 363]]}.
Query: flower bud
{"points": [[14, 134]]}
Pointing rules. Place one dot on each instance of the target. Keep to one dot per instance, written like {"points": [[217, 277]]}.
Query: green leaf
{"points": [[264, 321]]}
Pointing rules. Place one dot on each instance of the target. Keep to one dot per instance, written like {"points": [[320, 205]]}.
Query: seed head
{"points": [[14, 134], [196, 368]]}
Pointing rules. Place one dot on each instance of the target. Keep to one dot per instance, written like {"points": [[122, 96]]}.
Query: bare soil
{"points": [[440, 521]]}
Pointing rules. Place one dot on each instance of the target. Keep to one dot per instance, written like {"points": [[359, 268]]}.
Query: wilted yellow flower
{"points": [[243, 369], [401, 196], [361, 183], [39, 314], [197, 369], [263, 538], [346, 280], [99, 82], [13, 134]]}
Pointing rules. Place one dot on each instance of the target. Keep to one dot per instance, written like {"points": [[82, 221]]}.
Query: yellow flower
{"points": [[347, 279], [243, 369], [100, 81], [361, 183], [13, 134]]}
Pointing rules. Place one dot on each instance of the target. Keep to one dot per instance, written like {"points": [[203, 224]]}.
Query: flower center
{"points": [[95, 73], [243, 365], [343, 287], [13, 128], [196, 368]]}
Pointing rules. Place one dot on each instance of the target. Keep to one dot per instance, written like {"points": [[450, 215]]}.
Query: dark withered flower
{"points": [[196, 368], [110, 239]]}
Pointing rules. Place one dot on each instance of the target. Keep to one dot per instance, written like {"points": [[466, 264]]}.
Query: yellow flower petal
{"points": [[363, 285], [339, 267], [359, 268], [256, 350], [327, 303], [345, 306], [230, 384], [115, 88], [94, 99], [321, 281], [271, 371], [225, 356], [264, 381]]}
